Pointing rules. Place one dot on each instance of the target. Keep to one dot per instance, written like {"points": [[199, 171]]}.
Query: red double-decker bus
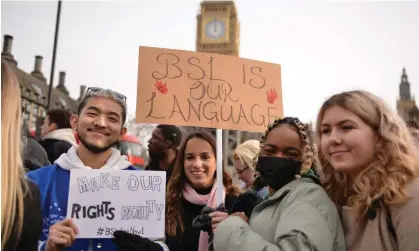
{"points": [[131, 147]]}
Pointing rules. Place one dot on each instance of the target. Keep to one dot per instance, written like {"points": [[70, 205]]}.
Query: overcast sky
{"points": [[323, 47]]}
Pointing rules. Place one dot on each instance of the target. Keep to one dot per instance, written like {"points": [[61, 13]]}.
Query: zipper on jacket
{"points": [[90, 245]]}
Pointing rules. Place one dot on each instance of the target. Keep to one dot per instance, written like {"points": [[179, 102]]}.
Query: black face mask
{"points": [[277, 172]]}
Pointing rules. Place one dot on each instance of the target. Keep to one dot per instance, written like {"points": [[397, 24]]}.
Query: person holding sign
{"points": [[99, 124], [191, 188], [299, 215]]}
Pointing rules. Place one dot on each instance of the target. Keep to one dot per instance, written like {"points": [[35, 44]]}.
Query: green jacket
{"points": [[300, 216]]}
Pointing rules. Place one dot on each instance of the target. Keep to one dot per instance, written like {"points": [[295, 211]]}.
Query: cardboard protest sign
{"points": [[207, 90], [101, 202]]}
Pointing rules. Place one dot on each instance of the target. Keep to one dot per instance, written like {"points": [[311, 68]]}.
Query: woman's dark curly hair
{"points": [[309, 148]]}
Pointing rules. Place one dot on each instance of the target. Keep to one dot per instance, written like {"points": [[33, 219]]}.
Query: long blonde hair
{"points": [[13, 183], [395, 162]]}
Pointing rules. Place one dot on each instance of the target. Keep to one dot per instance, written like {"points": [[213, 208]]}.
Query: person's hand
{"points": [[216, 218], [61, 235], [132, 242], [242, 216], [245, 203]]}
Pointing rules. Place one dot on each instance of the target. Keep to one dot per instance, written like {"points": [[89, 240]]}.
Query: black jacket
{"points": [[189, 238], [54, 148], [154, 166], [32, 224], [34, 155]]}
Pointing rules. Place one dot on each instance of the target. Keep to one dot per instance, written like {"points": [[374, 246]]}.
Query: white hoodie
{"points": [[71, 160], [65, 134]]}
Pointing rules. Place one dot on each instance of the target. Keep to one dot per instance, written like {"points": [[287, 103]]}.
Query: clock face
{"points": [[215, 29]]}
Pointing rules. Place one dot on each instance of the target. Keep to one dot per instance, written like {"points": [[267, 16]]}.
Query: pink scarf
{"points": [[198, 199]]}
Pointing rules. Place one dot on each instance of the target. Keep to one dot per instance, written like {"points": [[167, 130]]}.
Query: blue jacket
{"points": [[53, 182]]}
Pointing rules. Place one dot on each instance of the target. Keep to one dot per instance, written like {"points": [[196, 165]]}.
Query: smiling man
{"points": [[99, 124]]}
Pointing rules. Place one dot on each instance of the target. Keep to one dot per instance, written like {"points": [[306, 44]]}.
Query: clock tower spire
{"points": [[406, 104], [404, 86], [218, 31], [218, 28]]}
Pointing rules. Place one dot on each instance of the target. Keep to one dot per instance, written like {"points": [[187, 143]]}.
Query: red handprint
{"points": [[162, 88], [272, 95]]}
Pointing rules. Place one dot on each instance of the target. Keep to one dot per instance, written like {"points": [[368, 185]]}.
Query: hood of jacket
{"points": [[66, 134]]}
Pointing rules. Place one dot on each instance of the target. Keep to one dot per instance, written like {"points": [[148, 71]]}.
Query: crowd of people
{"points": [[354, 188]]}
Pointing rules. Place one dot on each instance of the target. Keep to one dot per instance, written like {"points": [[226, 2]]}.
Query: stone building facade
{"points": [[34, 89]]}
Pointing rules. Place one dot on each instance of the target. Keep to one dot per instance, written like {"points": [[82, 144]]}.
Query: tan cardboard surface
{"points": [[207, 90]]}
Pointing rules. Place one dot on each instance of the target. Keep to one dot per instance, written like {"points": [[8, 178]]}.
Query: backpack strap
{"points": [[390, 224]]}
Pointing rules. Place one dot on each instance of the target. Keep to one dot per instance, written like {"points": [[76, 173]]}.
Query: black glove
{"points": [[203, 221], [131, 242], [245, 203]]}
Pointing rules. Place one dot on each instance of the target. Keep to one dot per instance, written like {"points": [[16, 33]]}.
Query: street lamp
{"points": [[54, 52]]}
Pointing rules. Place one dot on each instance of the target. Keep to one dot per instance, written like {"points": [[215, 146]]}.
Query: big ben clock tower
{"points": [[218, 28], [218, 31]]}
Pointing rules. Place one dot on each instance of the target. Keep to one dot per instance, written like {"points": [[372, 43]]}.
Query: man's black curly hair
{"points": [[171, 133]]}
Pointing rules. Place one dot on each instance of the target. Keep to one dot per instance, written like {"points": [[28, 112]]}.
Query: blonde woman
{"points": [[370, 171], [244, 157], [20, 205]]}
